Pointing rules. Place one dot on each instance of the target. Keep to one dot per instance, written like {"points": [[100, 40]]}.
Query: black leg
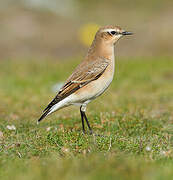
{"points": [[82, 116], [87, 123]]}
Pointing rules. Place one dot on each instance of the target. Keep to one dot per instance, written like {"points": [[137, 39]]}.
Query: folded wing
{"points": [[82, 75]]}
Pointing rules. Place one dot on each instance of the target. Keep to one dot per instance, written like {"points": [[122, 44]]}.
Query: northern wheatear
{"points": [[92, 77]]}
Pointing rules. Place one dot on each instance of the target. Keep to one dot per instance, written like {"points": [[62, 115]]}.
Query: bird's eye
{"points": [[113, 32]]}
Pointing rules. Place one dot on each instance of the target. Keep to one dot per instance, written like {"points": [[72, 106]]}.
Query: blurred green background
{"points": [[52, 28]]}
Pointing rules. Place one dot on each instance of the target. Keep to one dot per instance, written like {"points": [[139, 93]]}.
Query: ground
{"points": [[134, 117]]}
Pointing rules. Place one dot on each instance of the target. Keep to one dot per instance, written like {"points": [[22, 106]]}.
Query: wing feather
{"points": [[79, 78]]}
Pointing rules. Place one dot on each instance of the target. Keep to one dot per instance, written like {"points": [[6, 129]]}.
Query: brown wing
{"points": [[82, 75]]}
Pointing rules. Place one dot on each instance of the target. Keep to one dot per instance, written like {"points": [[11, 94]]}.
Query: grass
{"points": [[135, 116]]}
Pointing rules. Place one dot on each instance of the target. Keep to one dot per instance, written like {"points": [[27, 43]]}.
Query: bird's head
{"points": [[111, 34]]}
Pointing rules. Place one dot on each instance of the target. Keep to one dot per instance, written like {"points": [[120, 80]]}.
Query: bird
{"points": [[91, 77]]}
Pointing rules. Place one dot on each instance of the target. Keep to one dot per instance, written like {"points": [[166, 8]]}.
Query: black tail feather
{"points": [[43, 116]]}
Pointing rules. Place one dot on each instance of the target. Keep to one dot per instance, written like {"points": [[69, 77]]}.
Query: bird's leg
{"points": [[91, 132], [82, 119], [83, 115]]}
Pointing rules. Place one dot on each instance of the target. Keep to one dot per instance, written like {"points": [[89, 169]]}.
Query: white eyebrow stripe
{"points": [[108, 30]]}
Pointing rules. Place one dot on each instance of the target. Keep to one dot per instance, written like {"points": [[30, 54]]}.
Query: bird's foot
{"points": [[88, 133]]}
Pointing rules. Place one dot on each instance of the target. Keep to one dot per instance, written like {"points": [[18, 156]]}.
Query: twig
{"points": [[110, 144], [19, 154]]}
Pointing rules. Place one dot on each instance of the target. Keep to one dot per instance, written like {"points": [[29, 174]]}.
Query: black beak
{"points": [[124, 33]]}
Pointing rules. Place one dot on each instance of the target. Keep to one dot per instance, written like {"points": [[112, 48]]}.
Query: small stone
{"points": [[12, 127], [65, 150], [48, 128], [148, 148]]}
